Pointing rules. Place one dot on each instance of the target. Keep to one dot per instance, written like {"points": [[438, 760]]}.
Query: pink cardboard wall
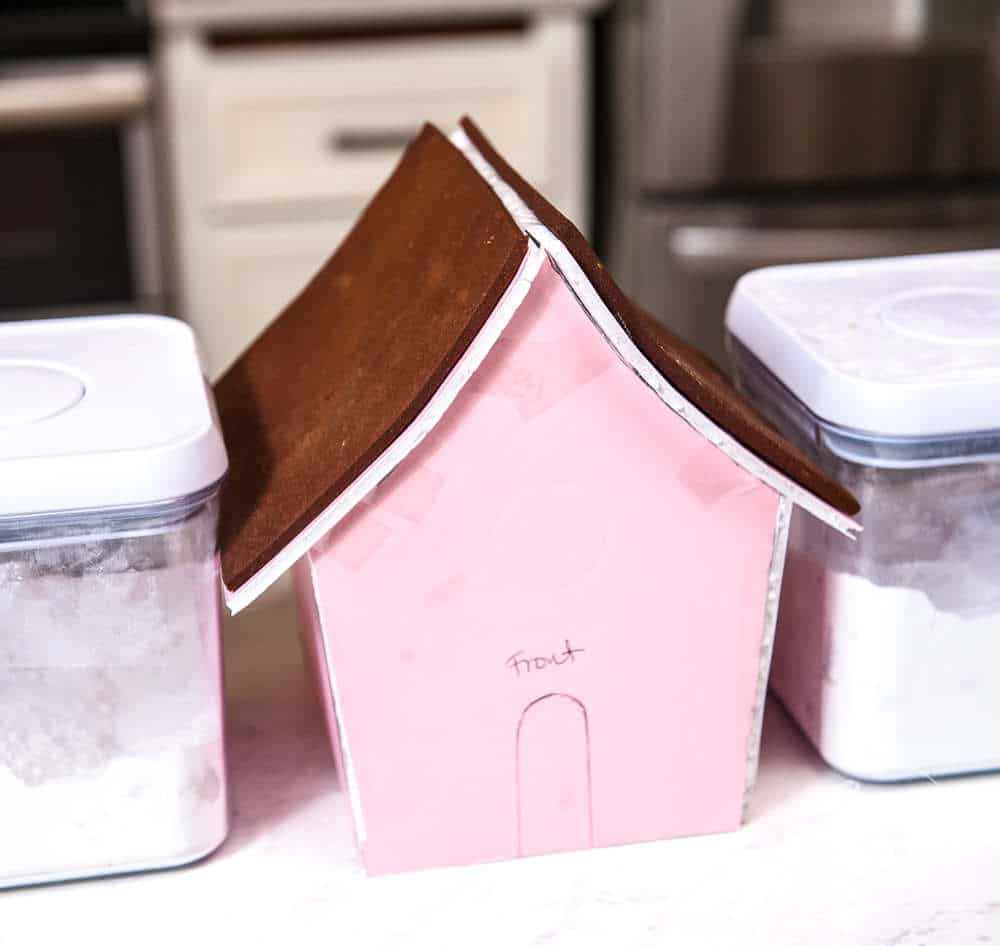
{"points": [[545, 626]]}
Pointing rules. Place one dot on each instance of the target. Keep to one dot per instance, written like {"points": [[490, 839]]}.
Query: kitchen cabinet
{"points": [[282, 120]]}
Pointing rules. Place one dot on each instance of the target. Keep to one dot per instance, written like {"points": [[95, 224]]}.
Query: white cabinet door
{"points": [[259, 271]]}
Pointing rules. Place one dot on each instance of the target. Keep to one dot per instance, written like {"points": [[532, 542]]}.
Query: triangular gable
{"points": [[754, 445]]}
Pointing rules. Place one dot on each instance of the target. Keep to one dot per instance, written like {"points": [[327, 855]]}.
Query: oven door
{"points": [[79, 229], [688, 256]]}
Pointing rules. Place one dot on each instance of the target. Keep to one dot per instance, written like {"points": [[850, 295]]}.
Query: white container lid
{"points": [[103, 412], [897, 347]]}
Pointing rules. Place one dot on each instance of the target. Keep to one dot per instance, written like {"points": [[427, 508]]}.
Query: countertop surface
{"points": [[821, 860]]}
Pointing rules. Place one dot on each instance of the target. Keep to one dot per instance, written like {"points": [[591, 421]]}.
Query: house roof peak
{"points": [[692, 374]]}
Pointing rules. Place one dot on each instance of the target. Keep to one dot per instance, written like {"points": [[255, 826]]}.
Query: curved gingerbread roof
{"points": [[354, 358], [690, 372]]}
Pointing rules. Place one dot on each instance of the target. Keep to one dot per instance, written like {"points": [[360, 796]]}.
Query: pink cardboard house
{"points": [[538, 541]]}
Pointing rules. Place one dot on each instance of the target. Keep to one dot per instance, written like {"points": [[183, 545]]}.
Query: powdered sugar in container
{"points": [[888, 373], [111, 742]]}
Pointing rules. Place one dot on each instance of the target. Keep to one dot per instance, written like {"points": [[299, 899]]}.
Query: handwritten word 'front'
{"points": [[519, 663]]}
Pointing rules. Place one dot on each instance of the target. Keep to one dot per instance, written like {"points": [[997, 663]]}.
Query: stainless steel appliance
{"points": [[742, 133], [79, 227]]}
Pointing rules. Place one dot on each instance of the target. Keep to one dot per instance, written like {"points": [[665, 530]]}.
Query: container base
{"points": [[874, 770], [182, 860]]}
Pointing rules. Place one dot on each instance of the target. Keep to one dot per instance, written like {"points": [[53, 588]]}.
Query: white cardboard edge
{"points": [[238, 598], [337, 710], [782, 526], [611, 329]]}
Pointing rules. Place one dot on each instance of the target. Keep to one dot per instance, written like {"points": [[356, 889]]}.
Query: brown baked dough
{"points": [[693, 374], [353, 359]]}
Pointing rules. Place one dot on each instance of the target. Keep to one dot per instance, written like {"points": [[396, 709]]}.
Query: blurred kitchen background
{"points": [[203, 157]]}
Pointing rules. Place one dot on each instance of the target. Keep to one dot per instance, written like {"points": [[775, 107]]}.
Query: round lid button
{"points": [[952, 315], [32, 392]]}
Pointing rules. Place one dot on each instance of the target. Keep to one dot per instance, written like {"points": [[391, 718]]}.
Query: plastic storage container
{"points": [[888, 373], [111, 748]]}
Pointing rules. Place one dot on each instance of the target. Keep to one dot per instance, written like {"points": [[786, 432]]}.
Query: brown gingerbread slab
{"points": [[354, 358], [690, 372]]}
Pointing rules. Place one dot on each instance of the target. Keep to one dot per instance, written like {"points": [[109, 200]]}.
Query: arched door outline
{"points": [[522, 846]]}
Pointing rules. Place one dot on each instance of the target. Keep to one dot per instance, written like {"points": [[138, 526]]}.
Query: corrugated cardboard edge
{"points": [[782, 526], [571, 272], [404, 444]]}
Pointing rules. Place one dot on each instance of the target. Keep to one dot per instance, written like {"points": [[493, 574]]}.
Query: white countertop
{"points": [[822, 859]]}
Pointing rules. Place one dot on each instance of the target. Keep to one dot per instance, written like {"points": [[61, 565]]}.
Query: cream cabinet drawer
{"points": [[256, 272], [328, 123]]}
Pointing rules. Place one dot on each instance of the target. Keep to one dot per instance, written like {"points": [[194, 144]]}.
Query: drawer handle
{"points": [[353, 141]]}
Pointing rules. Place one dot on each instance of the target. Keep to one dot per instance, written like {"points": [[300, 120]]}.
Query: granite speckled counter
{"points": [[822, 859]]}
